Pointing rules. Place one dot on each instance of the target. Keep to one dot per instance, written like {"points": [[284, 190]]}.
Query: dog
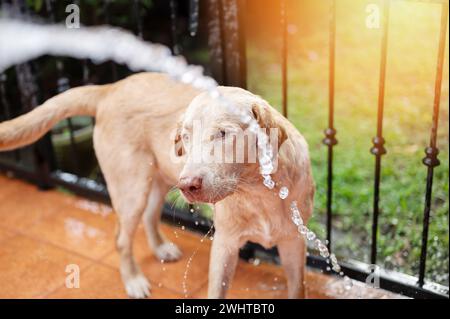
{"points": [[142, 142]]}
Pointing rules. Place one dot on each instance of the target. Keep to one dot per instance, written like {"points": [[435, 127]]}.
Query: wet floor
{"points": [[45, 234]]}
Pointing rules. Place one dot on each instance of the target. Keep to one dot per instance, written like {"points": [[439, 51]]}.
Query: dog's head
{"points": [[221, 153]]}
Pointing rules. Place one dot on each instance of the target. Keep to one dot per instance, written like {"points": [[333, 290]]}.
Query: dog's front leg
{"points": [[222, 264], [293, 258]]}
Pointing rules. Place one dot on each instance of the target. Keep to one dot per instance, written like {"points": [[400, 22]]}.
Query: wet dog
{"points": [[145, 144]]}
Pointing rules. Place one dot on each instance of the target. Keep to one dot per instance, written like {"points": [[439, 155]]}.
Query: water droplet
{"points": [[310, 235], [297, 220], [191, 210], [183, 228], [269, 183], [323, 250], [196, 223], [333, 258], [223, 284], [336, 268], [302, 229], [348, 283], [284, 192]]}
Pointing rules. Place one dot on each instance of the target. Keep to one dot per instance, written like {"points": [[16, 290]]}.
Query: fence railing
{"points": [[378, 150], [226, 42]]}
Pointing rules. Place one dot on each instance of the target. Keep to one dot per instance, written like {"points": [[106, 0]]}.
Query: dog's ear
{"points": [[267, 121], [179, 149]]}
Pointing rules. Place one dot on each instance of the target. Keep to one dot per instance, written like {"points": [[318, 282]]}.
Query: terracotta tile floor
{"points": [[41, 233]]}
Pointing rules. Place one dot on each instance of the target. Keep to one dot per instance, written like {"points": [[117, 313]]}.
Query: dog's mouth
{"points": [[204, 197]]}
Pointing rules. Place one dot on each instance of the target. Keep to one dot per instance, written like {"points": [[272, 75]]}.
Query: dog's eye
{"points": [[219, 135], [186, 138]]}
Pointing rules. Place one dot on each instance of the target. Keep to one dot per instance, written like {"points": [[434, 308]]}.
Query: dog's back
{"points": [[145, 102]]}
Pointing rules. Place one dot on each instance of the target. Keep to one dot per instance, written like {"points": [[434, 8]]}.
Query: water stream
{"points": [[21, 41]]}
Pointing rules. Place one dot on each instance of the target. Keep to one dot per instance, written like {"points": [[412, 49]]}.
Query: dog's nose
{"points": [[190, 184]]}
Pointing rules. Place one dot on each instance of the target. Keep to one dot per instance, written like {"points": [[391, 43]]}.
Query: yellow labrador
{"points": [[144, 142]]}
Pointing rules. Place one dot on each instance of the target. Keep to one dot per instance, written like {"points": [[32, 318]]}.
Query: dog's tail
{"points": [[29, 127]]}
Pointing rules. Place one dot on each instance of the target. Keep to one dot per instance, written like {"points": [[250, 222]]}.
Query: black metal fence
{"points": [[225, 37]]}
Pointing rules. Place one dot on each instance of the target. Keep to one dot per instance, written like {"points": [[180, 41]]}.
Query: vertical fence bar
{"points": [[242, 48], [173, 26], [378, 148], [85, 72], [4, 101], [107, 13], [232, 41], [284, 57], [330, 133], [194, 8], [214, 43], [222, 42], [85, 77], [3, 98], [137, 16], [431, 159], [85, 68], [63, 85], [42, 151]]}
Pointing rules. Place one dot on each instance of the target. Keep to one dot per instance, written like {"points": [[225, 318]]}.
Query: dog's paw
{"points": [[138, 287], [168, 252]]}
